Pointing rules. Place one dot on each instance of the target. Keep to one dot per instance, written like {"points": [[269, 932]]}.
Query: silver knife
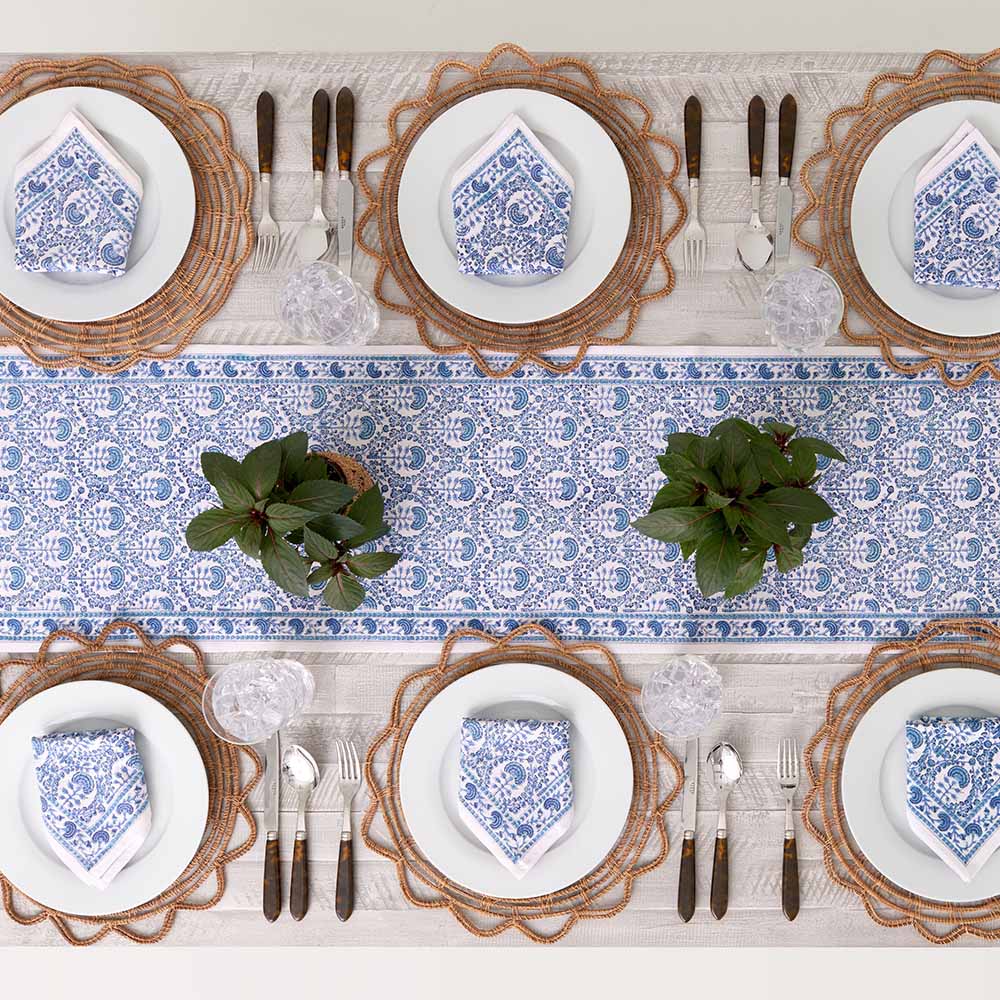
{"points": [[689, 822], [345, 189], [786, 147], [272, 799]]}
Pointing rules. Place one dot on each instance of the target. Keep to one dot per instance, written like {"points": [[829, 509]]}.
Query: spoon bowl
{"points": [[727, 769]]}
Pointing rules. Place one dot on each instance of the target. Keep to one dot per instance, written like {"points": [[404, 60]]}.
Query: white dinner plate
{"points": [[873, 783], [599, 757], [882, 222], [163, 225], [599, 216], [175, 779]]}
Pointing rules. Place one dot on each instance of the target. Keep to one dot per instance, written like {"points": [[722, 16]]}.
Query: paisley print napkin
{"points": [[956, 214], [94, 802], [515, 787], [953, 789], [75, 203], [512, 202]]}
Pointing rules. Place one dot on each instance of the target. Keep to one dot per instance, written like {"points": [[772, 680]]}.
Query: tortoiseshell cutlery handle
{"points": [[298, 902], [686, 883], [720, 878], [272, 878], [692, 137], [755, 135], [790, 879], [265, 132], [345, 881]]}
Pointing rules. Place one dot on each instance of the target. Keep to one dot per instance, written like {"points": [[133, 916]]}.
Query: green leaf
{"points": [[716, 560], [733, 516], [798, 506], [678, 524], [319, 574], [336, 527], [372, 564], [734, 445], [344, 593], [787, 558], [295, 537], [284, 517], [293, 454], [800, 534], [717, 502], [249, 537], [283, 564], [225, 474], [748, 575], [675, 466], [803, 462], [680, 442], [688, 548], [749, 477], [314, 467], [318, 547], [677, 493], [723, 427], [779, 429], [707, 478], [369, 508], [261, 467], [370, 535], [821, 448], [322, 496], [212, 528], [763, 522], [705, 451], [772, 466]]}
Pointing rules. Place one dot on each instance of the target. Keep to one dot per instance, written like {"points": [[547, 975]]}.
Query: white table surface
{"points": [[767, 696]]}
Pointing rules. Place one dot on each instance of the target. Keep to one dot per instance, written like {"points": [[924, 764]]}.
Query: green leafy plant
{"points": [[281, 500], [734, 494]]}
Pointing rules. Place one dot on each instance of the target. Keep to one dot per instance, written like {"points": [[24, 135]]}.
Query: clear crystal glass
{"points": [[322, 304], [682, 698], [802, 309], [249, 701]]}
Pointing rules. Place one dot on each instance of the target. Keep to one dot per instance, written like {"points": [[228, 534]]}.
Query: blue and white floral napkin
{"points": [[95, 806], [953, 789], [956, 214], [516, 787], [512, 202], [75, 203]]}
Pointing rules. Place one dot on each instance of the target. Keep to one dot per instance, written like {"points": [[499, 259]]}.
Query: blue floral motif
{"points": [[512, 208], [953, 788], [515, 786], [74, 210], [95, 808]]}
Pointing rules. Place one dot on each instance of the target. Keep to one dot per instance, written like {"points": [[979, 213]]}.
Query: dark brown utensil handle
{"points": [[755, 135], [345, 128], [686, 882], [321, 128], [692, 137], [787, 116], [265, 132], [272, 878], [345, 881], [298, 900], [790, 879], [720, 878]]}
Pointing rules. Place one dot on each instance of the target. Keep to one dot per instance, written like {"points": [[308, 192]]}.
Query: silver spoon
{"points": [[298, 767], [727, 768], [754, 244]]}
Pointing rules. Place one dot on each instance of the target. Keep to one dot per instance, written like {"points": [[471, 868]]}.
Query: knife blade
{"points": [[689, 813], [345, 189], [272, 798], [787, 114]]}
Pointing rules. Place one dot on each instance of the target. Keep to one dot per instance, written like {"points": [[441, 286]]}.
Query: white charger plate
{"points": [[882, 222], [599, 756], [873, 783], [163, 225], [599, 216], [175, 779]]}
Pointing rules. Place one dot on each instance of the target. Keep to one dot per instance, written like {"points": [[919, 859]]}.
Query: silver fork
{"points": [[788, 779], [350, 782], [265, 251], [694, 231]]}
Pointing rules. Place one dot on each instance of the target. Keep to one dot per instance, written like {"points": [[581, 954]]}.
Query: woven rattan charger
{"points": [[162, 326], [823, 227], [153, 668], [642, 272], [959, 643], [603, 893]]}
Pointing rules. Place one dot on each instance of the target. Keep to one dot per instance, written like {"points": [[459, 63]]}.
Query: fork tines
{"points": [[788, 762]]}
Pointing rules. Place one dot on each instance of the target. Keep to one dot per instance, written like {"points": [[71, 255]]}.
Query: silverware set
{"points": [[298, 767], [314, 240], [755, 246]]}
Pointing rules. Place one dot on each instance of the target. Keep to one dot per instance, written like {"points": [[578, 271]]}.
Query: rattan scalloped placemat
{"points": [[603, 893], [962, 642], [220, 242], [642, 272], [829, 177], [145, 666]]}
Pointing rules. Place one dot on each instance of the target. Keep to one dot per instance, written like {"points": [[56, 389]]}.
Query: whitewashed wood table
{"points": [[766, 696]]}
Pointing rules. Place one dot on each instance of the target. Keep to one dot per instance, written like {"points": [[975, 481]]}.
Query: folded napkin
{"points": [[515, 787], [512, 201], [953, 789], [94, 803], [75, 203], [956, 214]]}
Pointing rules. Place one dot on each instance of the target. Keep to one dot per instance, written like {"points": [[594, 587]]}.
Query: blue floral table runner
{"points": [[510, 500]]}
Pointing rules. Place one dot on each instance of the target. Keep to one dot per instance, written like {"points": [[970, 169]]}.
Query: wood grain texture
{"points": [[687, 881], [344, 897], [790, 879], [272, 880], [719, 892], [298, 896], [765, 695]]}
